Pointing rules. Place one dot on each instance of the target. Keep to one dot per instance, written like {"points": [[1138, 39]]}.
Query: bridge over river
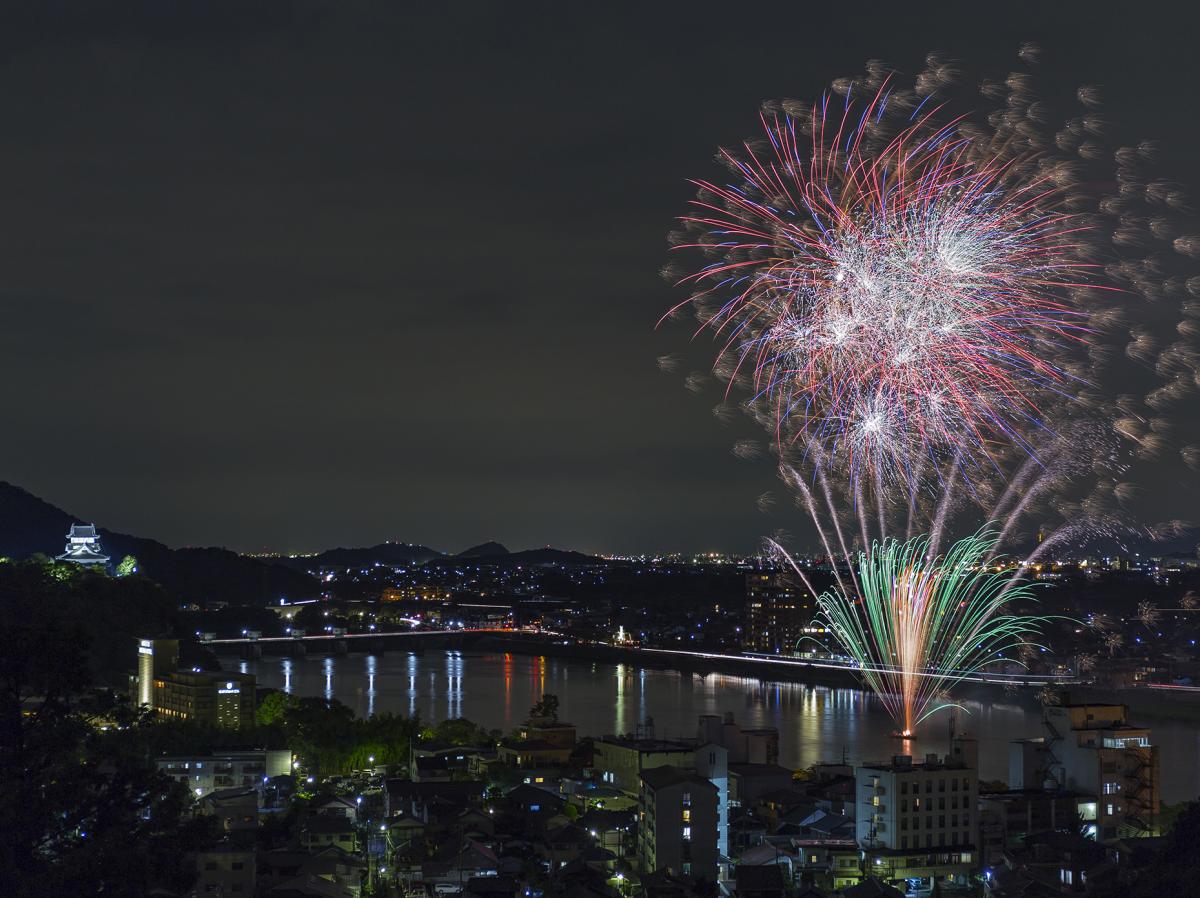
{"points": [[542, 642]]}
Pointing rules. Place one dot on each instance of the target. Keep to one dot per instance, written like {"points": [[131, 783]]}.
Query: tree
{"points": [[546, 707], [274, 708], [461, 731], [81, 809], [330, 740], [127, 567]]}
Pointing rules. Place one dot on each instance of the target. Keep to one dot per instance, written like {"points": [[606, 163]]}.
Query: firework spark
{"points": [[911, 294], [922, 623], [928, 311], [889, 302]]}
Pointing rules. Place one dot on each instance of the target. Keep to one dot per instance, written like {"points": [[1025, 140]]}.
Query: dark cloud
{"points": [[300, 274]]}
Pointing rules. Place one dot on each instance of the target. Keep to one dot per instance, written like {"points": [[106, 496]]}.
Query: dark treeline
{"points": [[82, 809]]}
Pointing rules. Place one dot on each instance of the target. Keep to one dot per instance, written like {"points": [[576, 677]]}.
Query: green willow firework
{"points": [[922, 622]]}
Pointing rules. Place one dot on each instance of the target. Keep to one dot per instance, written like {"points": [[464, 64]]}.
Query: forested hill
{"points": [[31, 526]]}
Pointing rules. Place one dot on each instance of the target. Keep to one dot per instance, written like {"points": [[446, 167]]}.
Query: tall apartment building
{"points": [[220, 699], [677, 823], [156, 658], [712, 763], [916, 821], [778, 613], [1093, 751], [217, 698]]}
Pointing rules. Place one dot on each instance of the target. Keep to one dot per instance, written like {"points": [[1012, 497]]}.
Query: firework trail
{"points": [[926, 308], [922, 623]]}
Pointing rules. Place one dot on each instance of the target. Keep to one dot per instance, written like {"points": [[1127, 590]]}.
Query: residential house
{"points": [[323, 830], [227, 869]]}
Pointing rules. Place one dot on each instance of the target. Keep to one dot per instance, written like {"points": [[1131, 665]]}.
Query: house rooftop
{"points": [[759, 770], [1091, 705], [328, 824], [645, 744], [458, 789], [536, 745], [905, 763], [872, 888], [528, 792], [668, 775]]}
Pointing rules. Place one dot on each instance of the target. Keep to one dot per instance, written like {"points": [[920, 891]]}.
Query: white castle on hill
{"points": [[83, 546]]}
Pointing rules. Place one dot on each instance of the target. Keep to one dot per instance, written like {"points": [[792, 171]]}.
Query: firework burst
{"points": [[891, 299], [926, 309], [922, 623]]}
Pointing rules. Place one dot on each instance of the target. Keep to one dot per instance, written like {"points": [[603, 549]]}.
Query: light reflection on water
{"points": [[816, 723]]}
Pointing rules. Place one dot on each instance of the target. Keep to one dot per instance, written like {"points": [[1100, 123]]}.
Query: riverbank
{"points": [[1150, 703]]}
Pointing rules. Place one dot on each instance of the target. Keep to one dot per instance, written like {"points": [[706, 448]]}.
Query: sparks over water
{"points": [[923, 623]]}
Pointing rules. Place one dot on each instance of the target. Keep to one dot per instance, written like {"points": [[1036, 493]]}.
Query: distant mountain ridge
{"points": [[32, 526], [549, 555], [484, 550], [409, 555], [495, 553], [389, 553]]}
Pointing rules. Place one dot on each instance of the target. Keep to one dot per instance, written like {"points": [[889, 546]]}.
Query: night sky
{"points": [[293, 275]]}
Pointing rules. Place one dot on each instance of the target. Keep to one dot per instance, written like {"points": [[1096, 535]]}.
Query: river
{"points": [[816, 723]]}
